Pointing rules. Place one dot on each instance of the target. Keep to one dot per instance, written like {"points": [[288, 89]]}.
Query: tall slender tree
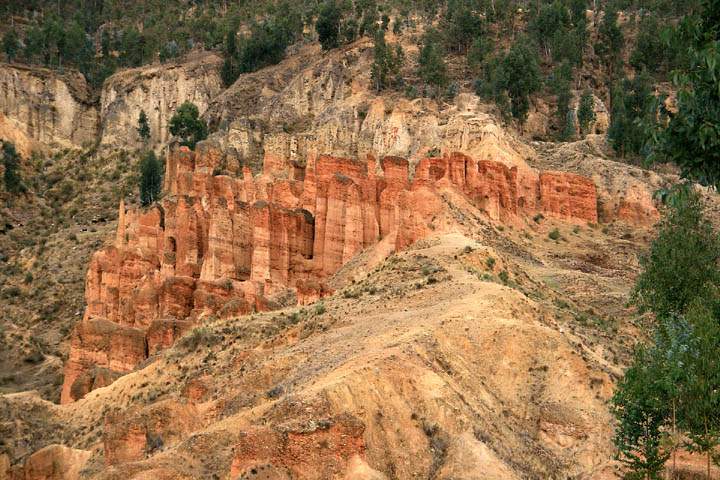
{"points": [[387, 61], [11, 165], [143, 127], [11, 44], [641, 407], [431, 64], [586, 111], [150, 179]]}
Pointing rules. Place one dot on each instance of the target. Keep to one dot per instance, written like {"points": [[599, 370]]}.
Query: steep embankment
{"points": [[159, 91], [49, 232]]}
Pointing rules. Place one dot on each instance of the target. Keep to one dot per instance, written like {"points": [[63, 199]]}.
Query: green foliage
{"points": [[649, 53], [264, 46], [169, 51], [640, 405], [552, 20], [230, 69], [560, 83], [586, 111], [11, 44], [328, 25], [554, 234], [150, 179], [387, 62], [691, 136], [11, 166], [143, 128], [431, 64], [632, 108], [700, 408], [682, 260], [461, 25], [560, 31], [518, 74], [610, 44], [187, 124], [479, 51], [672, 388]]}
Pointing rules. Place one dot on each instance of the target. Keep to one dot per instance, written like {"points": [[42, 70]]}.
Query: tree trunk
{"points": [[709, 449], [674, 467], [708, 464]]}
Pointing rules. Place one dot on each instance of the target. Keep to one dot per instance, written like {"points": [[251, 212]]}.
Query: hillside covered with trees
{"points": [[508, 51]]}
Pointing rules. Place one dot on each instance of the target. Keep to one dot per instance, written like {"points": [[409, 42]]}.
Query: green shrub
{"points": [[328, 25], [682, 261], [201, 336], [490, 263], [554, 234], [187, 124]]}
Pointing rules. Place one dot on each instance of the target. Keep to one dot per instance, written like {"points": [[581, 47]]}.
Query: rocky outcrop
{"points": [[99, 350], [54, 462], [131, 435], [47, 107], [297, 454], [158, 90], [229, 245], [42, 106]]}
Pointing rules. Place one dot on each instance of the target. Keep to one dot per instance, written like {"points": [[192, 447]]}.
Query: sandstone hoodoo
{"points": [[222, 245]]}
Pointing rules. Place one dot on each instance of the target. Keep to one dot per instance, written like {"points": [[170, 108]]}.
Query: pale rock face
{"points": [[159, 91], [316, 104], [47, 107]]}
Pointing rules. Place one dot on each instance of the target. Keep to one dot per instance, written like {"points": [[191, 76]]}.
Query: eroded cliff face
{"points": [[230, 245], [158, 90], [42, 108], [46, 107], [323, 103]]}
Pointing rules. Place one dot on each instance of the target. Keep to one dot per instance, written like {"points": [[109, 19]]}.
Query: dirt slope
{"points": [[426, 364]]}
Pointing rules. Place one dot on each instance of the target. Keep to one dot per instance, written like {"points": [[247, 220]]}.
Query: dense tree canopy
{"points": [[431, 64], [519, 76], [672, 389], [328, 25]]}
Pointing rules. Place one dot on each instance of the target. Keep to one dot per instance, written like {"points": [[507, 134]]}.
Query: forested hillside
{"points": [[507, 51]]}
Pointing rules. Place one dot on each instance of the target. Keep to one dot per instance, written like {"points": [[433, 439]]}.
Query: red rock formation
{"points": [[131, 435], [297, 454], [54, 462], [223, 245], [568, 196], [98, 342]]}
